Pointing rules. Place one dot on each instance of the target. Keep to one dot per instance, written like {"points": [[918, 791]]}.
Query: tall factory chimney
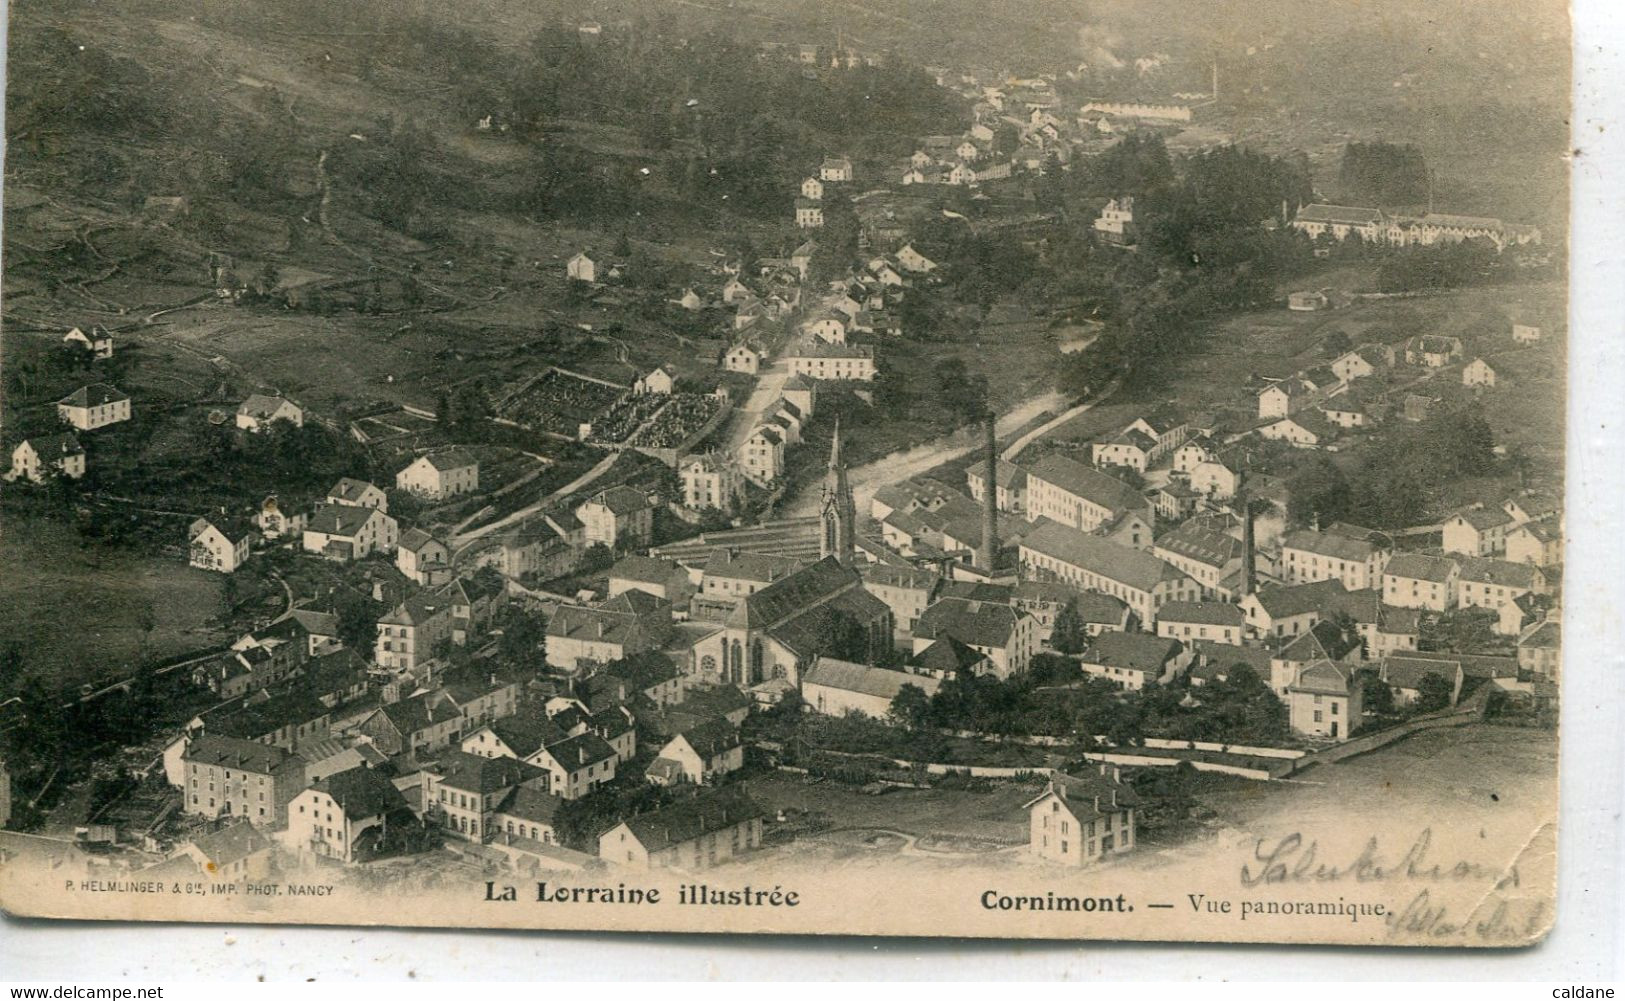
{"points": [[990, 504], [1249, 567]]}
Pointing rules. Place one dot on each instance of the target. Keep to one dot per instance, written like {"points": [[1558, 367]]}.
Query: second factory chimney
{"points": [[989, 553]]}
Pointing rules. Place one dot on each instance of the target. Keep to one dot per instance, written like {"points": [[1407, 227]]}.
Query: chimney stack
{"points": [[1249, 564], [990, 498]]}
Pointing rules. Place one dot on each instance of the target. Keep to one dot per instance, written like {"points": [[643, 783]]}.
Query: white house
{"points": [[328, 819], [838, 687], [1478, 373], [34, 457], [699, 755], [259, 412], [812, 188], [1416, 580], [742, 358], [1116, 219], [1081, 819], [218, 544], [837, 169], [710, 480], [358, 493], [913, 261], [1133, 660], [809, 214], [1477, 531], [617, 516], [1537, 542], [818, 360], [582, 268], [657, 381], [99, 342], [440, 475], [343, 532], [94, 406], [1214, 479], [1523, 333]]}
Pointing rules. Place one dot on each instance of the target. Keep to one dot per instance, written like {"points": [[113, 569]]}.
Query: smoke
{"points": [[1095, 42]]}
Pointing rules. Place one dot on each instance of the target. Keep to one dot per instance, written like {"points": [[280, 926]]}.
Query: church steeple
{"points": [[838, 514]]}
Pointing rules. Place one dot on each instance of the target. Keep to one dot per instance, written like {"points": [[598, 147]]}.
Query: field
{"points": [[994, 816], [77, 612]]}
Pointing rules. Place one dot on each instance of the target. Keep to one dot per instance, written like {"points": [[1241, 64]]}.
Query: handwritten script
{"points": [[1293, 860]]}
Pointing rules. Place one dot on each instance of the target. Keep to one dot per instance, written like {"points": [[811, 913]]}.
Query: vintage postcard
{"points": [[934, 468]]}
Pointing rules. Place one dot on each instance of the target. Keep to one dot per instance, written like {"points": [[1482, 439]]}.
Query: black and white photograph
{"points": [[1053, 470]]}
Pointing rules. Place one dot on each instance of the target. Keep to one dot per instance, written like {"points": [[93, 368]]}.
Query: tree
{"points": [[1336, 343], [1069, 635], [523, 639], [358, 621], [1433, 693], [911, 707], [1375, 695]]}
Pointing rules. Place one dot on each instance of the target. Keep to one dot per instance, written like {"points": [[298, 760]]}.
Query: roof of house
{"points": [[1089, 795], [763, 568], [97, 394], [261, 406], [420, 712], [1208, 613], [707, 811], [344, 520], [1086, 482], [1333, 544], [1484, 518], [231, 844], [712, 737], [1010, 475], [1420, 566], [525, 735], [1339, 214], [1133, 651], [1543, 531], [877, 682], [1501, 573], [1299, 599], [978, 623], [621, 500], [478, 774], [1226, 655], [1214, 549], [1124, 564], [49, 446], [1400, 671], [362, 792], [581, 751], [816, 348], [447, 459], [1323, 677], [253, 721], [912, 578], [1546, 635], [947, 656], [415, 540], [234, 752], [530, 803], [600, 624], [644, 671], [644, 569]]}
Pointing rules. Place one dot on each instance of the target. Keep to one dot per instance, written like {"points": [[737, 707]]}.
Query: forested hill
{"points": [[233, 105]]}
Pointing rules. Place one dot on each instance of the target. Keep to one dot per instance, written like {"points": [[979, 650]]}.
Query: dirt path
{"points": [[461, 541]]}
